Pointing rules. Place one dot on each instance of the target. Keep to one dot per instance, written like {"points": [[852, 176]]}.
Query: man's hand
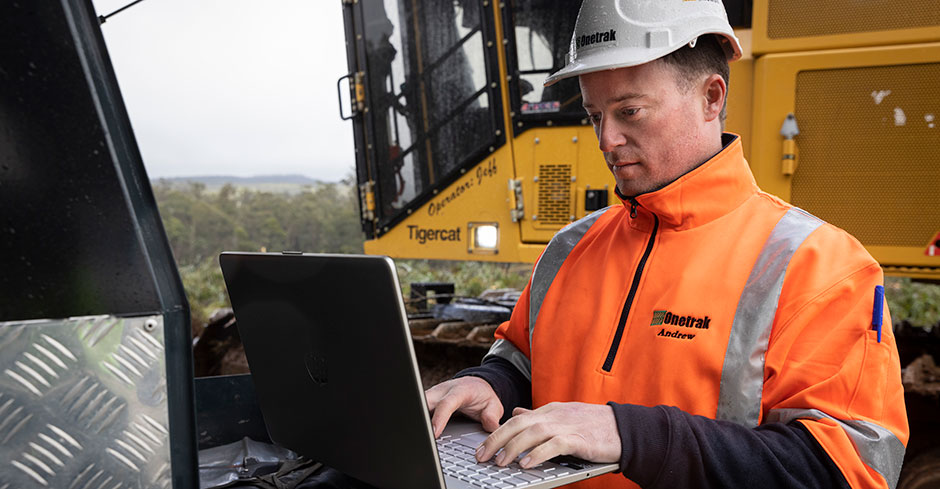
{"points": [[588, 431], [471, 396]]}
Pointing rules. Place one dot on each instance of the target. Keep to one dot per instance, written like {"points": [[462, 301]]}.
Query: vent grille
{"points": [[554, 206], [870, 151], [801, 18]]}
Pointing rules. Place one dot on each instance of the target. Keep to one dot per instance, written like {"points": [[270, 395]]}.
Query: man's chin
{"points": [[626, 191], [634, 189]]}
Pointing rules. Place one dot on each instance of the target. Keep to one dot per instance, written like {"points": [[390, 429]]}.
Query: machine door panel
{"points": [[867, 148]]}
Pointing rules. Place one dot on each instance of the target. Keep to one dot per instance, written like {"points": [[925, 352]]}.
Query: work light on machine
{"points": [[484, 237]]}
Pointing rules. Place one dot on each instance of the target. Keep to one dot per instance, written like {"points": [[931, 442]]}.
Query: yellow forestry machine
{"points": [[462, 154]]}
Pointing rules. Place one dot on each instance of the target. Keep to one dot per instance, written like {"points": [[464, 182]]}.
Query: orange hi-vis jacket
{"points": [[726, 302]]}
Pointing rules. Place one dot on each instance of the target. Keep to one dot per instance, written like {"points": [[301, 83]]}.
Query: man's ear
{"points": [[714, 91]]}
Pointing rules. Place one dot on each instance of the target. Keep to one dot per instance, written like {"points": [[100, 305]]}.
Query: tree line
{"points": [[200, 224]]}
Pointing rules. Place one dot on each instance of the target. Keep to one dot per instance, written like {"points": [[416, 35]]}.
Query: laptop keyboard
{"points": [[458, 460]]}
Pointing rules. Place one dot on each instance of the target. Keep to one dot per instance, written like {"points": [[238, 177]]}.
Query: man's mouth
{"points": [[621, 164]]}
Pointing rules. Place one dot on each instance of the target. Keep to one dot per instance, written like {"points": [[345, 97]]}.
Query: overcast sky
{"points": [[233, 87]]}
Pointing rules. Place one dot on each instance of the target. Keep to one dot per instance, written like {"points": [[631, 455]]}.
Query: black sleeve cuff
{"points": [[644, 441]]}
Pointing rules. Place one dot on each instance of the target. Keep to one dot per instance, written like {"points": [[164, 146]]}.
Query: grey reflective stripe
{"points": [[742, 376], [876, 445], [542, 276], [554, 255], [507, 351]]}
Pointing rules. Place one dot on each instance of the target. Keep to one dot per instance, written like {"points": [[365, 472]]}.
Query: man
{"points": [[704, 333]]}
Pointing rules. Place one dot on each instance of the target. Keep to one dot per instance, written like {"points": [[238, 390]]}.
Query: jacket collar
{"points": [[704, 194]]}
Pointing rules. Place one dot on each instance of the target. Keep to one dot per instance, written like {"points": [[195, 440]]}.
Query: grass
{"points": [[205, 289], [918, 303]]}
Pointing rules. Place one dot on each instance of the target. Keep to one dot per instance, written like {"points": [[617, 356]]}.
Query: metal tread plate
{"points": [[83, 403]]}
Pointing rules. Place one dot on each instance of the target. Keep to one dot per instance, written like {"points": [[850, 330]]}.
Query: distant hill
{"points": [[212, 180], [264, 183]]}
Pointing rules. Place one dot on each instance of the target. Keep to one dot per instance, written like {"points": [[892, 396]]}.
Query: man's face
{"points": [[651, 129]]}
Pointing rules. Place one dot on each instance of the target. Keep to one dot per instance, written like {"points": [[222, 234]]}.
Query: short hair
{"points": [[706, 58]]}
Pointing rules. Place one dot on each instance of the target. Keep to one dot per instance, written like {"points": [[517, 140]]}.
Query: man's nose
{"points": [[609, 135]]}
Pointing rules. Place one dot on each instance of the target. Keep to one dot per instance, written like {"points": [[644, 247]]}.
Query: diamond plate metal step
{"points": [[83, 404]]}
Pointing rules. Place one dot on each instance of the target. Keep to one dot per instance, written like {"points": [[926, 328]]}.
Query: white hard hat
{"points": [[613, 34]]}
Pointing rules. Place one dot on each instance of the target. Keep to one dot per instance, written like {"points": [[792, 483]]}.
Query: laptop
{"points": [[331, 357]]}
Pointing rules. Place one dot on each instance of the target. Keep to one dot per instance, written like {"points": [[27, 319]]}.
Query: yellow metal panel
{"points": [[439, 229], [913, 272], [910, 258], [800, 25], [541, 152], [868, 155], [741, 92], [532, 148]]}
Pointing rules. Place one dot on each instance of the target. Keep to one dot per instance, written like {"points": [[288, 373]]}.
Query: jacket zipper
{"points": [[612, 354]]}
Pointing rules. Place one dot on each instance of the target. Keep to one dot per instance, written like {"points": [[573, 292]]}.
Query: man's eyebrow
{"points": [[619, 98]]}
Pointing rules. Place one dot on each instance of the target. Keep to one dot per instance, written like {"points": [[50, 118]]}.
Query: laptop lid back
{"points": [[331, 357]]}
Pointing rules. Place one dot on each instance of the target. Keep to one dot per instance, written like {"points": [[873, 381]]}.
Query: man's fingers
{"points": [[499, 438], [442, 412], [527, 439], [432, 396], [472, 396], [490, 415], [553, 447], [515, 436]]}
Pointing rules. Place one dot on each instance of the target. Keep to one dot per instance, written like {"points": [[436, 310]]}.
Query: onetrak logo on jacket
{"points": [[664, 317]]}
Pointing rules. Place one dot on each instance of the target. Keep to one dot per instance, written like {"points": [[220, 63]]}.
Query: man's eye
{"points": [[630, 112], [595, 118]]}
